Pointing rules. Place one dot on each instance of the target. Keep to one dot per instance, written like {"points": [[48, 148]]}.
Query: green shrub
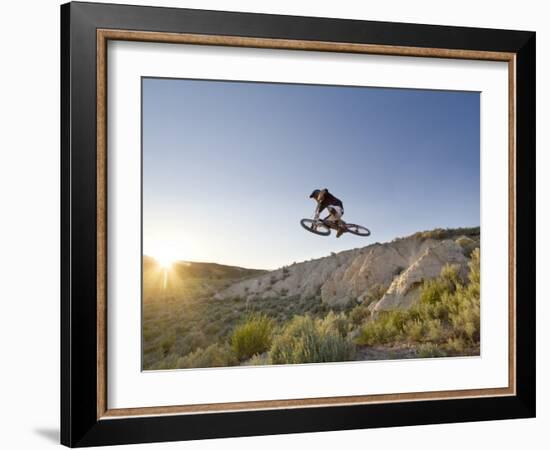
{"points": [[414, 330], [212, 328], [190, 341], [359, 314], [447, 282], [259, 360], [335, 323], [387, 327], [456, 345], [150, 333], [434, 330], [252, 337], [306, 340], [468, 245], [440, 233], [168, 342], [215, 355], [167, 362], [217, 315], [445, 317], [150, 357], [430, 351]]}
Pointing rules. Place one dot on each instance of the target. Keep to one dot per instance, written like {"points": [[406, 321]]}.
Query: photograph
{"points": [[297, 223]]}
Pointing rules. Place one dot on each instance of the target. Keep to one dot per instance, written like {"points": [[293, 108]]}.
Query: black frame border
{"points": [[79, 423]]}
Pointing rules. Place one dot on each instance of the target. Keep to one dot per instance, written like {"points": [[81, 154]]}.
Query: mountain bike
{"points": [[322, 227]]}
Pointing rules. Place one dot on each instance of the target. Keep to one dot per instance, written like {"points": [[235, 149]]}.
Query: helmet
{"points": [[315, 193]]}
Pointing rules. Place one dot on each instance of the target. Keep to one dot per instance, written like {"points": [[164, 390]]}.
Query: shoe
{"points": [[340, 232]]}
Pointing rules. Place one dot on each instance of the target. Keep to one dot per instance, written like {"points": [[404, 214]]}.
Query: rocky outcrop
{"points": [[396, 269], [403, 291], [303, 280]]}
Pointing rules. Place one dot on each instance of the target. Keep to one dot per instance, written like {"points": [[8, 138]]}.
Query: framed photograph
{"points": [[277, 224]]}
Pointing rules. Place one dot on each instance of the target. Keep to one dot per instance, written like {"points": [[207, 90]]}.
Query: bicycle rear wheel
{"points": [[358, 230], [315, 226]]}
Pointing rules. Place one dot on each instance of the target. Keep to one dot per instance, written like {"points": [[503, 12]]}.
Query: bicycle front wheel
{"points": [[315, 226]]}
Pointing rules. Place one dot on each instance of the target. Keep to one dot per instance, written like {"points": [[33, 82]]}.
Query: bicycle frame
{"points": [[329, 223]]}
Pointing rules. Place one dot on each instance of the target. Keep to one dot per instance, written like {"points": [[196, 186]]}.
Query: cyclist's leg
{"points": [[331, 214], [335, 215], [336, 219]]}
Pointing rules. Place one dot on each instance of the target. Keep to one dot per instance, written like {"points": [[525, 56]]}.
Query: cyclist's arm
{"points": [[321, 202]]}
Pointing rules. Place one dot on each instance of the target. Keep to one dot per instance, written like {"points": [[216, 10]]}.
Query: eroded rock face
{"points": [[373, 269], [403, 291], [397, 268], [304, 280]]}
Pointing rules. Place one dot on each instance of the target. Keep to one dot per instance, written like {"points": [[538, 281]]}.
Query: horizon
{"points": [[228, 167], [186, 261]]}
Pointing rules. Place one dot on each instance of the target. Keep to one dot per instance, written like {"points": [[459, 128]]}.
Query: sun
{"points": [[165, 259], [165, 262]]}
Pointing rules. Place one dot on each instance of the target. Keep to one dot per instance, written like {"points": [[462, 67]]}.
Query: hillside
{"points": [[416, 296], [395, 268]]}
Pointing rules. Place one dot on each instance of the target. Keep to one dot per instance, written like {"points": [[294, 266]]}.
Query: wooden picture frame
{"points": [[86, 418]]}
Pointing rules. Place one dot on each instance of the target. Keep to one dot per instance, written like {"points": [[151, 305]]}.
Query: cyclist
{"points": [[333, 205]]}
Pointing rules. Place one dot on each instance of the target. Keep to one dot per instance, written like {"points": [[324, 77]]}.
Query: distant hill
{"points": [[191, 269], [191, 277]]}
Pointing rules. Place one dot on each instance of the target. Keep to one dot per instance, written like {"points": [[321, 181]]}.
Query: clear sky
{"points": [[228, 166]]}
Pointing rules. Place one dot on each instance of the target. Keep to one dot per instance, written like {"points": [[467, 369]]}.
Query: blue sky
{"points": [[228, 166]]}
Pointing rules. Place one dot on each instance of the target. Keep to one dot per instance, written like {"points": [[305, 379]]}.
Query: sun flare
{"points": [[165, 259], [165, 262]]}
